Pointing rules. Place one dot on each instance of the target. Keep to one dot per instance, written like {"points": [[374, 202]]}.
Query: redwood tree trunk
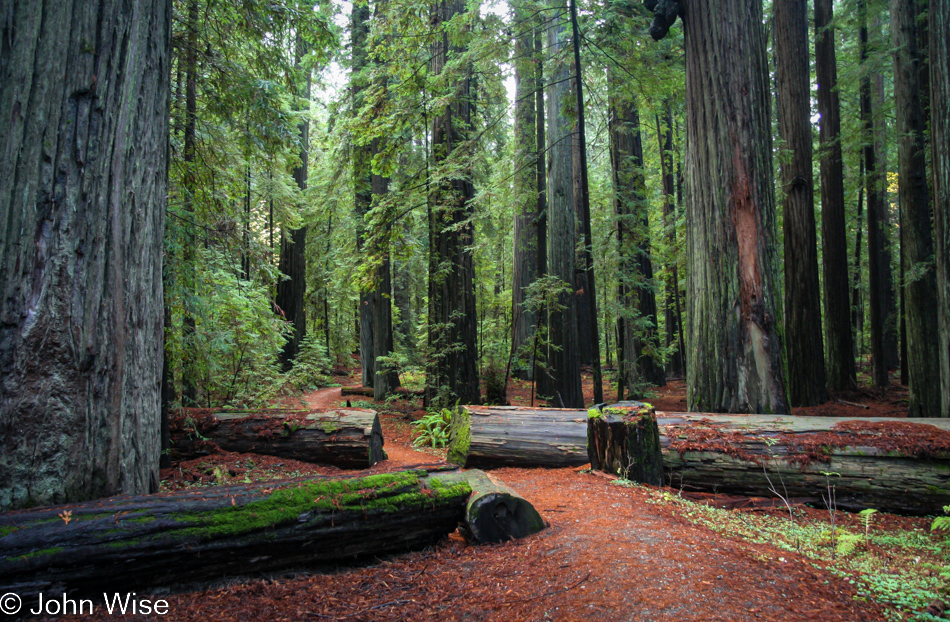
{"points": [[84, 144], [735, 360], [939, 139], [385, 376], [920, 293], [293, 249], [806, 362], [839, 344], [562, 361], [453, 369]]}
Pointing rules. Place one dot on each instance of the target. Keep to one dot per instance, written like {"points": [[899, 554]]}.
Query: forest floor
{"points": [[609, 552]]}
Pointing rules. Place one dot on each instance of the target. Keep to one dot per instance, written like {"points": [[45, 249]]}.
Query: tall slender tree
{"points": [[385, 376], [672, 313], [736, 353], [806, 363], [293, 242], [839, 343], [453, 367], [920, 288], [939, 58], [189, 184], [84, 164], [562, 364]]}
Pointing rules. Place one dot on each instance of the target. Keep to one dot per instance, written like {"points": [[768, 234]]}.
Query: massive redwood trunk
{"points": [[735, 360], [83, 164], [940, 139]]}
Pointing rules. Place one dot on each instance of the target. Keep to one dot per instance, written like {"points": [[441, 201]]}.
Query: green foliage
{"points": [[311, 366], [433, 429]]}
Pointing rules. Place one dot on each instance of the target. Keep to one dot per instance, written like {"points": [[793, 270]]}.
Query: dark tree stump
{"points": [[347, 438], [495, 512], [624, 439]]}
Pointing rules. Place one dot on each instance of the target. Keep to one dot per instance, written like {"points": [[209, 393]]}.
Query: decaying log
{"points": [[495, 512], [490, 437], [349, 438], [368, 391], [133, 542], [623, 439], [889, 464], [893, 465]]}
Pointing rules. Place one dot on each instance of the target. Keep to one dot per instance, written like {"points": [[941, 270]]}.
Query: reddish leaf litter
{"points": [[607, 554]]}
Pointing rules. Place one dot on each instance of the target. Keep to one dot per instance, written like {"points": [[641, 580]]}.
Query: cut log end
{"points": [[624, 439], [496, 513]]}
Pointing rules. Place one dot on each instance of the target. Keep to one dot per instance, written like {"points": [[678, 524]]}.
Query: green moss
{"points": [[594, 413], [460, 437], [386, 492], [34, 554], [328, 427], [6, 531]]}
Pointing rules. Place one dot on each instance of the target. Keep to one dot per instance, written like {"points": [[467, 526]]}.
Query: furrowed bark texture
{"points": [[453, 370], [562, 360], [839, 343], [806, 362], [674, 333], [735, 360], [920, 289], [525, 188], [939, 139], [84, 144]]}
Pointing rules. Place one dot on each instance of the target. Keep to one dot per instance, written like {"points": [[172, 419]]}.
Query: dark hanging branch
{"points": [[665, 13]]}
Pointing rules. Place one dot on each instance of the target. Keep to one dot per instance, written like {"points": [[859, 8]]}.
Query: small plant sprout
{"points": [[866, 519]]}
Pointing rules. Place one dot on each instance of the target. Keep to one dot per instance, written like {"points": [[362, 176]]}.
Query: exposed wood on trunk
{"points": [[347, 438], [127, 543]]}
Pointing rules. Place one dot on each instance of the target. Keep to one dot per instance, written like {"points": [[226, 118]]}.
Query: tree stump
{"points": [[624, 439], [495, 512]]}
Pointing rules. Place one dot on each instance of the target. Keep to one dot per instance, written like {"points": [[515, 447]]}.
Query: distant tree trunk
{"points": [[806, 361], [857, 308], [385, 376], [540, 379], [874, 188], [293, 248], [84, 164], [189, 372], [736, 353], [839, 344], [528, 219], [453, 366], [939, 58], [923, 358], [562, 363], [591, 289], [637, 342], [676, 362]]}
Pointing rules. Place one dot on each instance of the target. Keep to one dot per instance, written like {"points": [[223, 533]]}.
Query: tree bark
{"points": [[515, 436], [453, 367], [349, 439], [293, 245], [839, 343], [920, 291], [623, 439], [528, 219], [84, 144], [735, 360], [806, 362], [189, 372], [385, 376], [562, 365], [128, 543], [674, 327], [878, 267], [939, 139]]}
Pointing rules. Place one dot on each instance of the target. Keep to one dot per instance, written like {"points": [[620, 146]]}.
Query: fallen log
{"points": [[347, 438], [134, 542], [489, 437], [623, 439], [495, 512], [893, 465], [368, 391], [890, 464]]}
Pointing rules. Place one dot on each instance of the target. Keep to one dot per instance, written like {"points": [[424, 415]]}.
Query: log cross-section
{"points": [[623, 439]]}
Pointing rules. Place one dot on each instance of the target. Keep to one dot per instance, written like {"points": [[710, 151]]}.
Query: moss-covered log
{"points": [[490, 437], [894, 465], [495, 512], [135, 542], [347, 438], [623, 439]]}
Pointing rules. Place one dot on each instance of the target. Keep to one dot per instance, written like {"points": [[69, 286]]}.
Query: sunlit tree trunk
{"points": [[83, 164], [806, 362], [920, 290]]}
